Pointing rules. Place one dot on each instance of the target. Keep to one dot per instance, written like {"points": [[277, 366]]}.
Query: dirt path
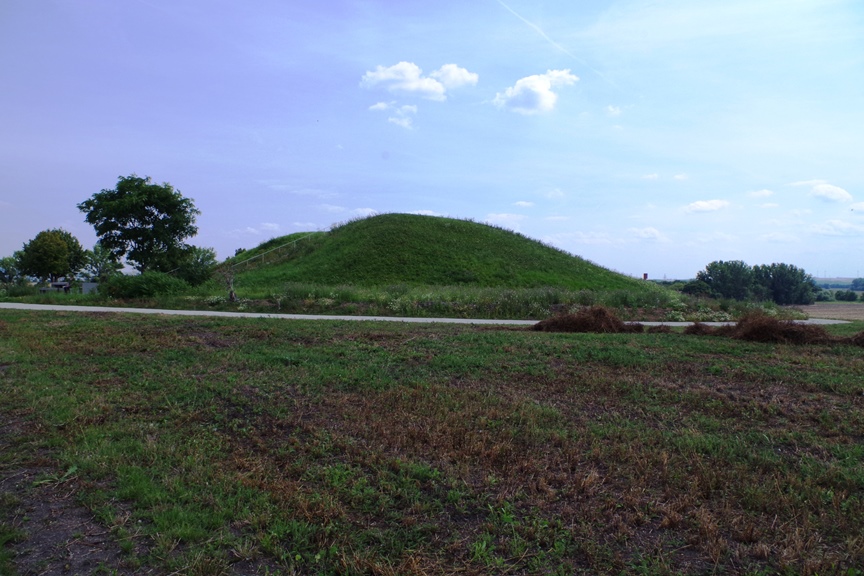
{"points": [[816, 317]]}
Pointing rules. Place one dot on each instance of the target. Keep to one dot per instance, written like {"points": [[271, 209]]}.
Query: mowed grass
{"points": [[417, 250], [384, 448]]}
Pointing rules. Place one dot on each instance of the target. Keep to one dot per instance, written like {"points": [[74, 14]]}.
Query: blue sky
{"points": [[647, 136]]}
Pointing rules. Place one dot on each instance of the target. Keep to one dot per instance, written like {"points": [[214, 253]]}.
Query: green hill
{"points": [[421, 250]]}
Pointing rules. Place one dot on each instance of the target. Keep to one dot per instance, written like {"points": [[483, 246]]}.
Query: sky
{"points": [[648, 136]]}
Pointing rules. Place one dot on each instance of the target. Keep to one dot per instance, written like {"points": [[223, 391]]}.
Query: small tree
{"points": [[50, 255], [197, 265], [145, 222], [101, 264], [857, 284], [9, 272]]}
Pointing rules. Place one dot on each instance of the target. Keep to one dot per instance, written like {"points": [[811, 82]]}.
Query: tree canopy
{"points": [[732, 279], [143, 221], [50, 255], [782, 283]]}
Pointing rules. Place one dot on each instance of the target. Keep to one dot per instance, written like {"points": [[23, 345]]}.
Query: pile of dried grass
{"points": [[598, 319], [753, 327], [759, 327], [699, 329]]}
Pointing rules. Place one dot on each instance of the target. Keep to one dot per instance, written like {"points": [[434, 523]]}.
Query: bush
{"points": [[846, 295], [144, 285]]}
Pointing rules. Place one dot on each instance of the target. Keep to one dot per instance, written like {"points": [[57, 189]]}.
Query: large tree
{"points": [[732, 279], [51, 254], [784, 284], [145, 222]]}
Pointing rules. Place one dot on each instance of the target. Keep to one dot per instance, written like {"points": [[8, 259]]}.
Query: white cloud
{"points": [[858, 206], [506, 220], [554, 194], [779, 237], [716, 237], [769, 205], [364, 212], [706, 206], [523, 204], [401, 114], [680, 177], [582, 238], [648, 234], [241, 232], [534, 94], [269, 226], [837, 228], [402, 121], [830, 193], [407, 78], [654, 176], [331, 208], [807, 182], [426, 213], [557, 218], [613, 111], [452, 76], [761, 194], [280, 186]]}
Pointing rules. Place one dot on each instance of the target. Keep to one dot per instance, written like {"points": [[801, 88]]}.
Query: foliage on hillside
{"points": [[411, 249]]}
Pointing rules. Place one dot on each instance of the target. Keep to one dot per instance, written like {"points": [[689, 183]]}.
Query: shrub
{"points": [[846, 295], [144, 285]]}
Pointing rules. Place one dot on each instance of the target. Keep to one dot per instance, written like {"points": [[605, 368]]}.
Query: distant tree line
{"points": [[139, 221], [782, 283]]}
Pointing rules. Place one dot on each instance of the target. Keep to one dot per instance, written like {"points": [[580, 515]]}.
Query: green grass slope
{"points": [[424, 250]]}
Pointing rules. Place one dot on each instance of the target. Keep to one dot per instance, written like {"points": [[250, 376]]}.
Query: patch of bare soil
{"points": [[835, 310], [58, 534]]}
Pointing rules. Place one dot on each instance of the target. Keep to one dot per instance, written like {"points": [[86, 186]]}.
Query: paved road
{"points": [[17, 306]]}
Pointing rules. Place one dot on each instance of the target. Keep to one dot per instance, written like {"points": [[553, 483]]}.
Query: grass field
{"points": [[135, 444]]}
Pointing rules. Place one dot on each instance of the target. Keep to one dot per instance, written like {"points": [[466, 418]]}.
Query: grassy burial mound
{"points": [[423, 250]]}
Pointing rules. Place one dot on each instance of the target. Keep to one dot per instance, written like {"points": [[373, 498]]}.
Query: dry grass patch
{"points": [[596, 319]]}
